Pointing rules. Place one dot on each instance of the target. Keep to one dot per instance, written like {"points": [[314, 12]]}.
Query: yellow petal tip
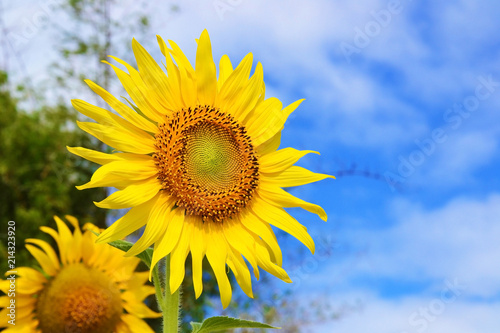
{"points": [[100, 239]]}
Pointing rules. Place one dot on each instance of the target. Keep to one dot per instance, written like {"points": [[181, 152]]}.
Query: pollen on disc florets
{"points": [[206, 160], [79, 299]]}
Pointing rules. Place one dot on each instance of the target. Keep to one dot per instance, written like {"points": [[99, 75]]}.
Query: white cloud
{"points": [[416, 314], [447, 251], [457, 241]]}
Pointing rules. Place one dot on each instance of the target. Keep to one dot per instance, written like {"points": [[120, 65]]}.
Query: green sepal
{"points": [[146, 255]]}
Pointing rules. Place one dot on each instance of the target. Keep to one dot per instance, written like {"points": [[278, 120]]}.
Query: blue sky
{"points": [[407, 90]]}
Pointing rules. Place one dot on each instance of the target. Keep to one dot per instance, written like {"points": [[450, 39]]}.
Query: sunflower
{"points": [[89, 287], [196, 160]]}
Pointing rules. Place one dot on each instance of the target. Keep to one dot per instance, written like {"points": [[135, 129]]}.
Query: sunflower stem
{"points": [[169, 301], [159, 293]]}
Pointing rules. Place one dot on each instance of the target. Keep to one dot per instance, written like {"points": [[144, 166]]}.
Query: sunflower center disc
{"points": [[206, 160], [79, 300], [212, 158]]}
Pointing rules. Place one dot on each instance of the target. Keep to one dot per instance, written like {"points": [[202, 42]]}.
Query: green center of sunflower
{"points": [[212, 158], [79, 300], [206, 160]]}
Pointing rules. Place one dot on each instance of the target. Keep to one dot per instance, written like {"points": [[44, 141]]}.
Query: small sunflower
{"points": [[88, 288], [198, 164]]}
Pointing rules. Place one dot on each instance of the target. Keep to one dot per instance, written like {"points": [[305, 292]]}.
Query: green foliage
{"points": [[217, 324], [92, 33], [37, 174]]}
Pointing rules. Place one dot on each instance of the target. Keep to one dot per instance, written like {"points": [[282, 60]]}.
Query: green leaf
{"points": [[196, 326], [225, 323], [146, 255]]}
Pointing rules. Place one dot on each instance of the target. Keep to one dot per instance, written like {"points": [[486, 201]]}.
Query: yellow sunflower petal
{"points": [[31, 275], [217, 255], [25, 286], [88, 248], [135, 218], [29, 327], [262, 94], [94, 156], [137, 280], [133, 195], [155, 227], [66, 243], [24, 318], [77, 238], [119, 139], [206, 76], [180, 58], [265, 261], [249, 95], [136, 324], [44, 260], [163, 46], [166, 244], [261, 250], [187, 75], [52, 233], [74, 222], [258, 227], [122, 172], [270, 145], [296, 176], [233, 85], [225, 69], [153, 75], [281, 219], [121, 327], [174, 81], [51, 254], [25, 300], [198, 250], [188, 87], [241, 242], [107, 118], [4, 284], [241, 272], [147, 100], [267, 119], [133, 304], [281, 198], [128, 113], [281, 159], [178, 258], [109, 180]]}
